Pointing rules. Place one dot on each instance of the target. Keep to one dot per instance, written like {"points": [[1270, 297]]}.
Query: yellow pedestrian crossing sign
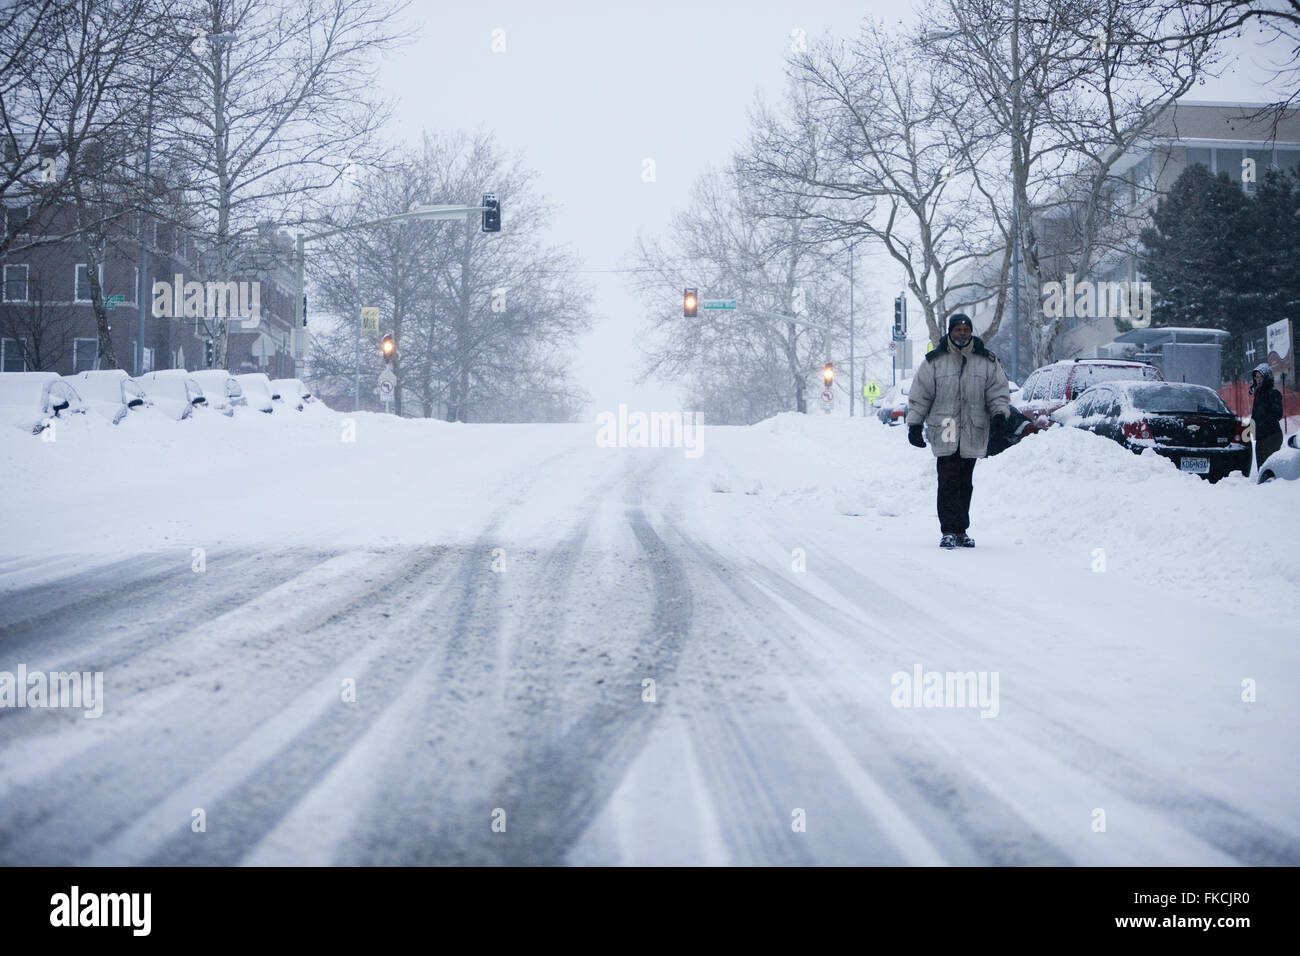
{"points": [[871, 391], [370, 319]]}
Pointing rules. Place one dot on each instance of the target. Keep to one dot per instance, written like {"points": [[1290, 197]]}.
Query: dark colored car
{"points": [[1052, 386], [1188, 424]]}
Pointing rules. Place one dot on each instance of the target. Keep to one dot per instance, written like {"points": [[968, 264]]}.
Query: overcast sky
{"points": [[589, 90]]}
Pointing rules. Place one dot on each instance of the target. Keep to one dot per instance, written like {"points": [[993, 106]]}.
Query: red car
{"points": [[1053, 386]]}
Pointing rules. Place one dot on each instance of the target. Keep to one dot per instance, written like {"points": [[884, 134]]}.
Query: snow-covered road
{"points": [[505, 644]]}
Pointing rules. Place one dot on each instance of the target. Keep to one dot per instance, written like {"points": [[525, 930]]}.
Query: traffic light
{"points": [[900, 318], [304, 310], [491, 213], [690, 303], [388, 347], [209, 352], [828, 374]]}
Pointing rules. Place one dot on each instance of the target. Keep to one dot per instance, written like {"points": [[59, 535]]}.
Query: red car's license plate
{"points": [[1199, 466]]}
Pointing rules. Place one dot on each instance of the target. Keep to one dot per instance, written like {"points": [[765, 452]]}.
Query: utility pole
{"points": [[1015, 192], [491, 210], [356, 394], [1015, 292], [852, 378], [142, 280]]}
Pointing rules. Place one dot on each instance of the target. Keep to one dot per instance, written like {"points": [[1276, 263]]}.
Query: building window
{"points": [[83, 282], [1288, 160], [1203, 156], [1263, 160], [15, 286], [84, 353], [11, 356], [15, 218], [1143, 181]]}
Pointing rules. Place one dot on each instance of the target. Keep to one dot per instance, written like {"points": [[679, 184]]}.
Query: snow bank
{"points": [[1063, 490], [324, 478]]}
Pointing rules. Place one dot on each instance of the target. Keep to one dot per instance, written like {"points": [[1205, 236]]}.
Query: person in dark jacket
{"points": [[1266, 413], [960, 395]]}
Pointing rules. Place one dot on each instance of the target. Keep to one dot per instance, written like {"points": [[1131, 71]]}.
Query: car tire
{"points": [[1266, 476]]}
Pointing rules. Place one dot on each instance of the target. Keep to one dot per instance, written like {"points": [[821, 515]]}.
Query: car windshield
{"points": [[1177, 398], [1086, 375]]}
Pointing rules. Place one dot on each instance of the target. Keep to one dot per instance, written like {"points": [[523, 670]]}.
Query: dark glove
{"points": [[914, 436], [1001, 422]]}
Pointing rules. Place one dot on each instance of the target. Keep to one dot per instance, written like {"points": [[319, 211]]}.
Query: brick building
{"points": [[48, 323]]}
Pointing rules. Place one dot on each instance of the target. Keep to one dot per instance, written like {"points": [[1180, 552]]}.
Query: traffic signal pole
{"points": [[852, 379], [356, 394], [491, 210]]}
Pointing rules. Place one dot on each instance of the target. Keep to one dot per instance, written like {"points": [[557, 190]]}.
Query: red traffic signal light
{"points": [[388, 346], [690, 303], [828, 374]]}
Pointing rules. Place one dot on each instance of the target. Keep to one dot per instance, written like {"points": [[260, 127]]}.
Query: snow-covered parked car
{"points": [[1053, 386], [1188, 424], [30, 400], [892, 406], [293, 392], [257, 391], [173, 391], [109, 392], [221, 389], [1283, 463]]}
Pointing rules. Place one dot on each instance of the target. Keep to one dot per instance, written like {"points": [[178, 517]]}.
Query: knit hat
{"points": [[959, 318]]}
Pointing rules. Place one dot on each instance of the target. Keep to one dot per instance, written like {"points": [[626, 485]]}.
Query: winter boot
{"points": [[965, 541], [948, 542]]}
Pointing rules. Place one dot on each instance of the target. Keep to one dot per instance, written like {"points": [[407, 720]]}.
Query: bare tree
{"points": [[872, 145], [1173, 24], [1068, 97], [741, 367], [277, 101], [42, 328], [480, 319], [72, 74]]}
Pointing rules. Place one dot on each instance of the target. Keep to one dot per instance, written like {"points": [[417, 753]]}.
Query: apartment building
{"points": [[47, 318], [1225, 137]]}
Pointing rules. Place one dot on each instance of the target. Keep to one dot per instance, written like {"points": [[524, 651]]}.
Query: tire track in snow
{"points": [[488, 698], [1206, 818], [138, 618], [273, 806], [219, 702], [556, 787]]}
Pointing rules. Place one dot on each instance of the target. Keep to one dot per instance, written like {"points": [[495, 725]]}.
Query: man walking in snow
{"points": [[958, 394]]}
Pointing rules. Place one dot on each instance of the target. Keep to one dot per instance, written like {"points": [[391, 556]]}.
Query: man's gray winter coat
{"points": [[956, 392]]}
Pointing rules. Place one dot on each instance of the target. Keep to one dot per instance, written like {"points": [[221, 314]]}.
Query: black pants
{"points": [[1265, 445], [954, 492]]}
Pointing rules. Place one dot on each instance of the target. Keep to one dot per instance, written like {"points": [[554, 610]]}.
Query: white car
{"points": [[221, 389], [1283, 463], [30, 400], [892, 406], [173, 391], [109, 392], [258, 391], [293, 392]]}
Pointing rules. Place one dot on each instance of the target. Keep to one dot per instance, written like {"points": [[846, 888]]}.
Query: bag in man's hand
{"points": [[1006, 432]]}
